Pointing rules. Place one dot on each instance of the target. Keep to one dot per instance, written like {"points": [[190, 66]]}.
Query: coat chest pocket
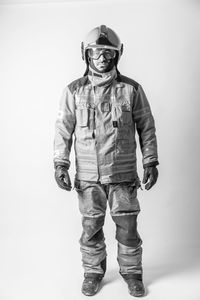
{"points": [[105, 107], [82, 117], [126, 116], [122, 113]]}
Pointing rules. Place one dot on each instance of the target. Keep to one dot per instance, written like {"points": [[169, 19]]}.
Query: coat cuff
{"points": [[151, 164], [62, 164]]}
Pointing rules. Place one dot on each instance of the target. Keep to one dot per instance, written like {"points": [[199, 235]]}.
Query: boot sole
{"points": [[142, 294], [89, 294]]}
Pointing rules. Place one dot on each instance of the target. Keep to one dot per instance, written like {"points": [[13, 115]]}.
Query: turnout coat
{"points": [[103, 121]]}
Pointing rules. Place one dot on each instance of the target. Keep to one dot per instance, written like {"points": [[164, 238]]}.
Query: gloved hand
{"points": [[62, 178], [150, 176]]}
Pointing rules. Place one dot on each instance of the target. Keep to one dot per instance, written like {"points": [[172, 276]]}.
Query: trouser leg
{"points": [[125, 208], [92, 205], [130, 260]]}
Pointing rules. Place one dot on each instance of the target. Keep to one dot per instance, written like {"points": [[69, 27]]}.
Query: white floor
{"points": [[181, 285], [49, 267], [40, 256]]}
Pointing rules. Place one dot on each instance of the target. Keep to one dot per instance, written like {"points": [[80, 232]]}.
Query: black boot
{"points": [[91, 283], [135, 284]]}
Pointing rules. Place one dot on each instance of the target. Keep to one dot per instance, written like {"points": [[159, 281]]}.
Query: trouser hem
{"points": [[97, 276], [137, 276]]}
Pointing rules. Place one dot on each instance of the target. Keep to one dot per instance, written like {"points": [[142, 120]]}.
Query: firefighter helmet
{"points": [[101, 37]]}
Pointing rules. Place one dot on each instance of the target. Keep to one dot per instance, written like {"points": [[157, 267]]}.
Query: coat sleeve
{"points": [[145, 126], [64, 129]]}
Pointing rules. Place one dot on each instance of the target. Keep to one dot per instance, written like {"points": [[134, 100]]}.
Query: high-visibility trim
{"points": [[85, 171], [86, 158], [126, 214], [125, 161]]}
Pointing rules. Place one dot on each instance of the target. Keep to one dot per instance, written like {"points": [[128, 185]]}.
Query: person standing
{"points": [[102, 111]]}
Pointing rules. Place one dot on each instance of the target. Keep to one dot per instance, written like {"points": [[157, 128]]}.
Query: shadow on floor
{"points": [[111, 276], [162, 267], [170, 266]]}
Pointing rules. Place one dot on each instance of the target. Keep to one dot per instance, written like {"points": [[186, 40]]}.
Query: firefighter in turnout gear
{"points": [[102, 111]]}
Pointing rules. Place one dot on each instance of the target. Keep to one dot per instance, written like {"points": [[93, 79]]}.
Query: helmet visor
{"points": [[95, 53]]}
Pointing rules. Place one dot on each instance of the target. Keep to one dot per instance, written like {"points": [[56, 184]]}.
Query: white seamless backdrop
{"points": [[40, 224]]}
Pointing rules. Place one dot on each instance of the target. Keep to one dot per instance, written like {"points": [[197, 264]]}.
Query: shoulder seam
{"points": [[129, 81], [77, 83]]}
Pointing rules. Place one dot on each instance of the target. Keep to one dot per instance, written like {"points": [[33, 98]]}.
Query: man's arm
{"points": [[64, 129], [145, 126]]}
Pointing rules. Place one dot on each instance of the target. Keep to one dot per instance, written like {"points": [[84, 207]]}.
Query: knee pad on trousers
{"points": [[126, 230], [92, 230]]}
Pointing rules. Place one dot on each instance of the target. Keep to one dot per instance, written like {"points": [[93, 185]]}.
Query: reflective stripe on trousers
{"points": [[124, 208]]}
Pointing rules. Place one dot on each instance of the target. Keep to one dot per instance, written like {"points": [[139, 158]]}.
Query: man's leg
{"points": [[92, 205], [125, 208]]}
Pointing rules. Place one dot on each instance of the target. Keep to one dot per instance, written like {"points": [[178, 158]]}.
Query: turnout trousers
{"points": [[124, 208]]}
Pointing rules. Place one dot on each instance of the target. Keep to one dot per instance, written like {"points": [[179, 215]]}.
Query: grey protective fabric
{"points": [[124, 208], [103, 121]]}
